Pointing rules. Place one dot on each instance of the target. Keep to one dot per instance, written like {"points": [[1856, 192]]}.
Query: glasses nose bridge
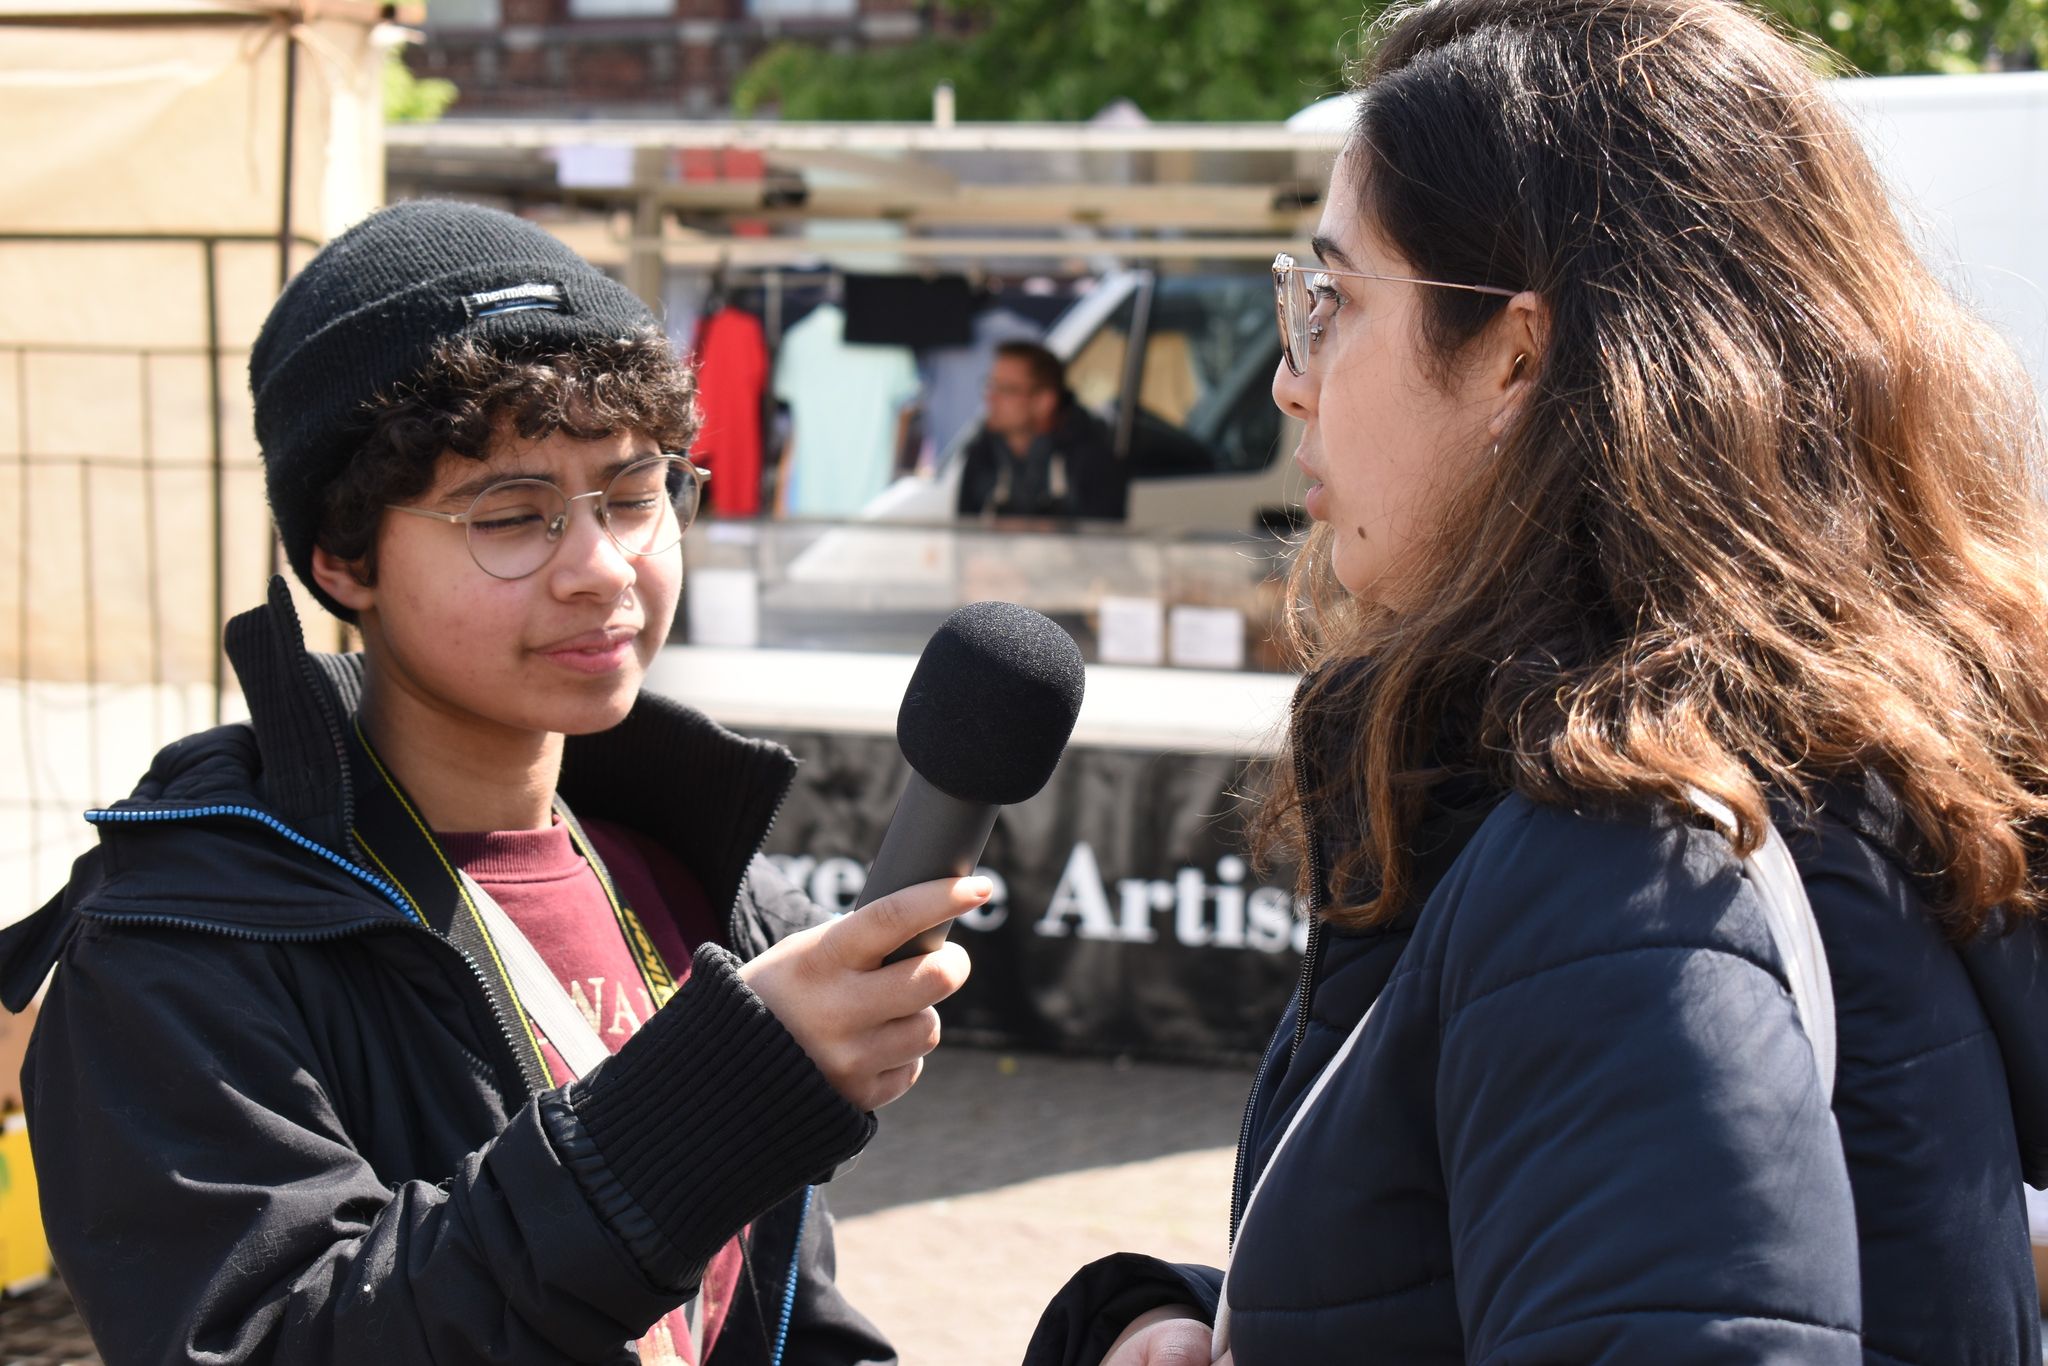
{"points": [[599, 513], [558, 525], [555, 528], [607, 539]]}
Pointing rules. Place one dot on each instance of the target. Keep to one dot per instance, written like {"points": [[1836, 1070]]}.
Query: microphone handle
{"points": [[931, 835]]}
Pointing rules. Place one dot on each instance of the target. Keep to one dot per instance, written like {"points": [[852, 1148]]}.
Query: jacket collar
{"points": [[1457, 805], [667, 770]]}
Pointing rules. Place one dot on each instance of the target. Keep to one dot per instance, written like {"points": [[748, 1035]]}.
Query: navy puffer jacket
{"points": [[1584, 1123]]}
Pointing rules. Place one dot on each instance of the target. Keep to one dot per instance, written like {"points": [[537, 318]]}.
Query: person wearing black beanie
{"points": [[366, 315], [446, 1010]]}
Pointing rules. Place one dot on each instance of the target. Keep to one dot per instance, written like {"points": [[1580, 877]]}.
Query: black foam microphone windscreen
{"points": [[992, 703], [984, 720]]}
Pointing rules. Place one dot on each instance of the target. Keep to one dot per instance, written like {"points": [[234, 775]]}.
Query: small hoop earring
{"points": [[1515, 370]]}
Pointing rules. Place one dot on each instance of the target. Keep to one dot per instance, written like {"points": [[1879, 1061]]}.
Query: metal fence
{"points": [[139, 527]]}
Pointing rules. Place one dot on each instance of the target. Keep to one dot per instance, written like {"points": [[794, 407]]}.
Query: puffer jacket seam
{"points": [[1676, 946], [1921, 1055], [1345, 1024], [1682, 1311], [1349, 1302]]}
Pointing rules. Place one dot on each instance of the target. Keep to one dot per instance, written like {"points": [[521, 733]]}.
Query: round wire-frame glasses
{"points": [[1298, 289], [515, 526]]}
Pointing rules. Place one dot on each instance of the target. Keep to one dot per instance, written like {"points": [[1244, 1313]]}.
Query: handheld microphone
{"points": [[987, 713]]}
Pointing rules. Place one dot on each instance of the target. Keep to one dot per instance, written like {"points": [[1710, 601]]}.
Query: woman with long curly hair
{"points": [[1663, 499]]}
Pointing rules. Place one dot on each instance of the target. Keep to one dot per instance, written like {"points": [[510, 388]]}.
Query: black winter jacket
{"points": [[1584, 1123], [278, 1119]]}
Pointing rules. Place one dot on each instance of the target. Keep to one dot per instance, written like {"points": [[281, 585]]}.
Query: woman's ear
{"points": [[343, 580], [1516, 356]]}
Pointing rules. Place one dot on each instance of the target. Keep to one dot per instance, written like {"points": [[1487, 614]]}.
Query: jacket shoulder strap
{"points": [[1789, 917]]}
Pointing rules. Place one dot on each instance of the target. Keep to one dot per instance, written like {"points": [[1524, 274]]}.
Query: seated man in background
{"points": [[1039, 453]]}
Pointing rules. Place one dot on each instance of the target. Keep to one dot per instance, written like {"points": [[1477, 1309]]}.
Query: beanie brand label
{"points": [[515, 299]]}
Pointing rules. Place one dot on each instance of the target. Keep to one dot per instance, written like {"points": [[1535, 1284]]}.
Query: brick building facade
{"points": [[632, 58]]}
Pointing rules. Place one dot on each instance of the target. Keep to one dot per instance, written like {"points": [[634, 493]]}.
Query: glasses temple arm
{"points": [[457, 518]]}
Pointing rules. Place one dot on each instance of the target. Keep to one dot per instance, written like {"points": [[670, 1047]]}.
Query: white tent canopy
{"points": [[143, 216], [151, 200]]}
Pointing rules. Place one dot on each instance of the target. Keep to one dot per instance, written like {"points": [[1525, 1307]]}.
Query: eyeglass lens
{"points": [[515, 526], [1296, 309]]}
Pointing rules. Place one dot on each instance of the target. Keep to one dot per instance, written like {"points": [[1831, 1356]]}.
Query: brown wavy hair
{"points": [[468, 393], [1771, 517]]}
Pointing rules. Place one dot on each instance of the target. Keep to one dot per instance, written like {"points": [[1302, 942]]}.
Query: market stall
{"points": [[169, 162]]}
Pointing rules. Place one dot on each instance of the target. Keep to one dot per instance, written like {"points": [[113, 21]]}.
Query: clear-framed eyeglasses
{"points": [[515, 526], [1304, 299]]}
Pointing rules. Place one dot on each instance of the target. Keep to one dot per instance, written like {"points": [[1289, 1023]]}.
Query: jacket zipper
{"points": [[383, 888], [1304, 991], [179, 922], [114, 816], [512, 1052], [796, 1249], [318, 693], [412, 921], [732, 914]]}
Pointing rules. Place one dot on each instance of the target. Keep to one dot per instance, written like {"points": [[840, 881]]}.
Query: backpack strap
{"points": [[539, 991], [1789, 917], [540, 994]]}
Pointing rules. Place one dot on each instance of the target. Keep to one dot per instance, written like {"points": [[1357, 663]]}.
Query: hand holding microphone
{"points": [[864, 1024], [983, 723]]}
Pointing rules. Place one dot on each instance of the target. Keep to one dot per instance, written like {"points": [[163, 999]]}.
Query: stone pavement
{"points": [[40, 1329], [999, 1176], [988, 1184]]}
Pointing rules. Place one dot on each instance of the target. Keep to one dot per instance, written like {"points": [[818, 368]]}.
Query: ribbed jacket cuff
{"points": [[702, 1121]]}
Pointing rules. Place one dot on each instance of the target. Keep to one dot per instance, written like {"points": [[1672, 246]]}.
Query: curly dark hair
{"points": [[468, 393]]}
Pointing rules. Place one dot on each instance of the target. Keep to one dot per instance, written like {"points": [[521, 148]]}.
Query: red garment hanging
{"points": [[732, 373]]}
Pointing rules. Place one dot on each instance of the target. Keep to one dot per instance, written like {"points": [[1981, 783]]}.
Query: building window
{"points": [[621, 9], [462, 14], [803, 9]]}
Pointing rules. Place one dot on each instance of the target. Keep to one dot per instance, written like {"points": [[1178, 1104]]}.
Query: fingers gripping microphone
{"points": [[987, 713]]}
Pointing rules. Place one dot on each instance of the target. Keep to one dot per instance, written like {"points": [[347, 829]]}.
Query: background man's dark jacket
{"points": [[277, 1120], [1584, 1124], [1070, 471]]}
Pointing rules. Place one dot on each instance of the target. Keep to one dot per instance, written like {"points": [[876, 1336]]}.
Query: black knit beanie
{"points": [[366, 313]]}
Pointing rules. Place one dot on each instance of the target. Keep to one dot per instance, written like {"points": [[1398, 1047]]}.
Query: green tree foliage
{"points": [[1899, 37], [1262, 59], [1903, 37], [413, 99], [805, 82], [1066, 59]]}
